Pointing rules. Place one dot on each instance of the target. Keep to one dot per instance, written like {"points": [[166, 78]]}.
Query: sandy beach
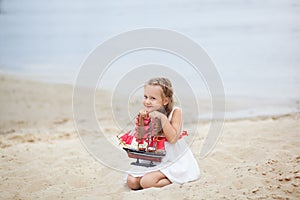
{"points": [[42, 156]]}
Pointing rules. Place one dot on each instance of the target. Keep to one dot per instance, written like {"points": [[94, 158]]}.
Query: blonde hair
{"points": [[167, 89]]}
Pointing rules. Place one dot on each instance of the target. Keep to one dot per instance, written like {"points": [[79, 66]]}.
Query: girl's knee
{"points": [[154, 179], [133, 182], [146, 182]]}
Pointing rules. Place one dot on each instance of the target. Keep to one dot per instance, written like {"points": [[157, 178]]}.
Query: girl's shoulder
{"points": [[174, 108]]}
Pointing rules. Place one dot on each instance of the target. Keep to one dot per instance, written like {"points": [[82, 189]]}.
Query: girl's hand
{"points": [[143, 113], [156, 114]]}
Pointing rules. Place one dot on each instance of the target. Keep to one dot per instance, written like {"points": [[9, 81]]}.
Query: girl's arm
{"points": [[170, 129]]}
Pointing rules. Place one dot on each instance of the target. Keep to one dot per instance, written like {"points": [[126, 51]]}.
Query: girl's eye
{"points": [[145, 97], [153, 98]]}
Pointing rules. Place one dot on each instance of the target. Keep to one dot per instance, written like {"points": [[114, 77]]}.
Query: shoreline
{"points": [[236, 107]]}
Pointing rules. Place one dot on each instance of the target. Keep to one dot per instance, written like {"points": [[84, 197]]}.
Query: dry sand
{"points": [[42, 156]]}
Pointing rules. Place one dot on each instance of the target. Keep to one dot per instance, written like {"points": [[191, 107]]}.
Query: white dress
{"points": [[179, 164]]}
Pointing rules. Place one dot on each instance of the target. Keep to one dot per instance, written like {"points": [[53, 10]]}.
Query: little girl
{"points": [[179, 164]]}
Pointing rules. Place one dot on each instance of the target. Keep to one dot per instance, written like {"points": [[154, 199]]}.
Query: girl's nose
{"points": [[147, 101]]}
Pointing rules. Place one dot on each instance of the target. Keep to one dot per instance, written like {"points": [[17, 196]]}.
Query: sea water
{"points": [[254, 44]]}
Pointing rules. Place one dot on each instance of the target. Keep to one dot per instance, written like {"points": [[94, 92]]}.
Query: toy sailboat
{"points": [[146, 142]]}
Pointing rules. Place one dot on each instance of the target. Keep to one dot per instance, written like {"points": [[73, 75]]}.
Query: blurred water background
{"points": [[255, 44]]}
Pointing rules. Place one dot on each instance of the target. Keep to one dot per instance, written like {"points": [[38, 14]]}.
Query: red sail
{"points": [[127, 138]]}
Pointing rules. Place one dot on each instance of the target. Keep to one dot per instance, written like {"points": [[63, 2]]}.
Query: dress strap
{"points": [[171, 114]]}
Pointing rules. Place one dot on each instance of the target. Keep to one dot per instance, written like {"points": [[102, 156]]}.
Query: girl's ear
{"points": [[166, 101]]}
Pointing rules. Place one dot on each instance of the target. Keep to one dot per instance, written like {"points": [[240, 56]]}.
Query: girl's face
{"points": [[153, 99]]}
